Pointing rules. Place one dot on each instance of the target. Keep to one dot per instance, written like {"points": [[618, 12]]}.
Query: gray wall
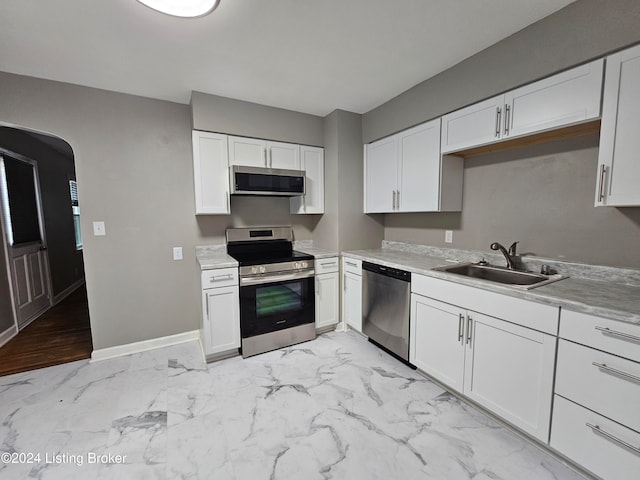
{"points": [[542, 196], [55, 170], [579, 32], [236, 117], [344, 226]]}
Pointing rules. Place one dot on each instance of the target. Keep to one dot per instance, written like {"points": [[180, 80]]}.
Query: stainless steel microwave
{"points": [[266, 181]]}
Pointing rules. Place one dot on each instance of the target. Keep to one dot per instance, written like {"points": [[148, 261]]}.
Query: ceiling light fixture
{"points": [[182, 8]]}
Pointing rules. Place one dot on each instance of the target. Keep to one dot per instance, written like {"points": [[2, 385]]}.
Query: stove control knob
{"points": [[254, 270], [262, 269], [304, 264], [296, 265]]}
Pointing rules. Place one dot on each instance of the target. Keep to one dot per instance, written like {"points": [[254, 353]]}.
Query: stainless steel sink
{"points": [[526, 280]]}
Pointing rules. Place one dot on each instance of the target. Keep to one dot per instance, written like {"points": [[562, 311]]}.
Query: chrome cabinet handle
{"points": [[304, 203], [603, 171], [469, 332], [327, 264], [398, 200], [597, 429], [220, 277], [507, 118], [207, 304], [264, 154], [270, 158], [608, 331], [351, 264], [615, 371], [460, 327], [344, 282], [393, 201], [498, 116]]}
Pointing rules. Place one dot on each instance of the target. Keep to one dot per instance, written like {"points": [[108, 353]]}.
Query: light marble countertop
{"points": [[306, 246], [617, 301], [214, 256]]}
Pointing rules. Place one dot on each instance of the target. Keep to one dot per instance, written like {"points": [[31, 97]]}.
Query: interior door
{"points": [[22, 215]]}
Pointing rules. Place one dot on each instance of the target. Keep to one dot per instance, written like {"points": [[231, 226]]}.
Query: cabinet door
{"points": [[618, 163], [249, 152], [419, 181], [283, 155], [221, 322], [437, 340], [327, 291], [352, 300], [472, 126], [509, 370], [568, 97], [312, 162], [381, 175], [210, 173]]}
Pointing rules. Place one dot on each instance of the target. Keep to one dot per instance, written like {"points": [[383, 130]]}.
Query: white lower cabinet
{"points": [[596, 421], [327, 292], [505, 367], [437, 346], [220, 327], [352, 293], [600, 445]]}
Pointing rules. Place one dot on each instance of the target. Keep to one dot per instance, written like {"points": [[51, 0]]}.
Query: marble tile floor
{"points": [[334, 408]]}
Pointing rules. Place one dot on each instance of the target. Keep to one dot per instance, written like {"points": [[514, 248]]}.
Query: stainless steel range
{"points": [[277, 291]]}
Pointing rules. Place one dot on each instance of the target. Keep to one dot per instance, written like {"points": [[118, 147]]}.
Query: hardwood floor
{"points": [[60, 335]]}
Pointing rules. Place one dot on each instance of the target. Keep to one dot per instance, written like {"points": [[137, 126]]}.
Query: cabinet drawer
{"points": [[619, 338], [352, 265], [608, 388], [220, 277], [605, 456], [326, 265]]}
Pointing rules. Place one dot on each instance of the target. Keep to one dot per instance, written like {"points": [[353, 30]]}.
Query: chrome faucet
{"points": [[509, 255]]}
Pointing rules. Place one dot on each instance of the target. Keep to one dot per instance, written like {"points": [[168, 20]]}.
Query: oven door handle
{"points": [[244, 281]]}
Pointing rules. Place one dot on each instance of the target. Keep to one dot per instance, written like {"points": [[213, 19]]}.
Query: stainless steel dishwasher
{"points": [[386, 293]]}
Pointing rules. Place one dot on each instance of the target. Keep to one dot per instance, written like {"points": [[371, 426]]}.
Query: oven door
{"points": [[269, 303]]}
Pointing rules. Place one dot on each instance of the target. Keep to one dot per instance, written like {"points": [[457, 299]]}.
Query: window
{"points": [[75, 209]]}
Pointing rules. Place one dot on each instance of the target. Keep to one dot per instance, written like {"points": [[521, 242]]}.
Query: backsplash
{"points": [[626, 276]]}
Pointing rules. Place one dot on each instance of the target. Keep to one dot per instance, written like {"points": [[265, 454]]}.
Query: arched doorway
{"points": [[43, 313]]}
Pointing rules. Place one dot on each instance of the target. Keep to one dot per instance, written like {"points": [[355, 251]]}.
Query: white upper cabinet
{"points": [[406, 173], [618, 163], [252, 152], [312, 162], [475, 125], [564, 99], [210, 167], [381, 175]]}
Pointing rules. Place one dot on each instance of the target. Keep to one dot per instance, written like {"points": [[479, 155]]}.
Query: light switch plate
{"points": [[177, 253], [99, 229], [448, 236]]}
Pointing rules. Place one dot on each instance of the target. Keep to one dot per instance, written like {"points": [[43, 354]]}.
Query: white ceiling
{"points": [[302, 55]]}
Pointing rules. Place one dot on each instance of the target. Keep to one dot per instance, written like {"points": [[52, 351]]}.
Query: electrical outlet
{"points": [[177, 253], [448, 236], [99, 229]]}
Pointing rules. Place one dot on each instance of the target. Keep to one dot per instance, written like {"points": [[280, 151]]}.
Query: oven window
{"points": [[276, 299]]}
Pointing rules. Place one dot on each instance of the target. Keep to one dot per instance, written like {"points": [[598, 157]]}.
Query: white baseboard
{"points": [[67, 291], [8, 334], [143, 346]]}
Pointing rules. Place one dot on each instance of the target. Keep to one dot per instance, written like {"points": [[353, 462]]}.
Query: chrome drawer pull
{"points": [[351, 264], [469, 327], [597, 429], [460, 327], [221, 277], [328, 264], [618, 334], [607, 368]]}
